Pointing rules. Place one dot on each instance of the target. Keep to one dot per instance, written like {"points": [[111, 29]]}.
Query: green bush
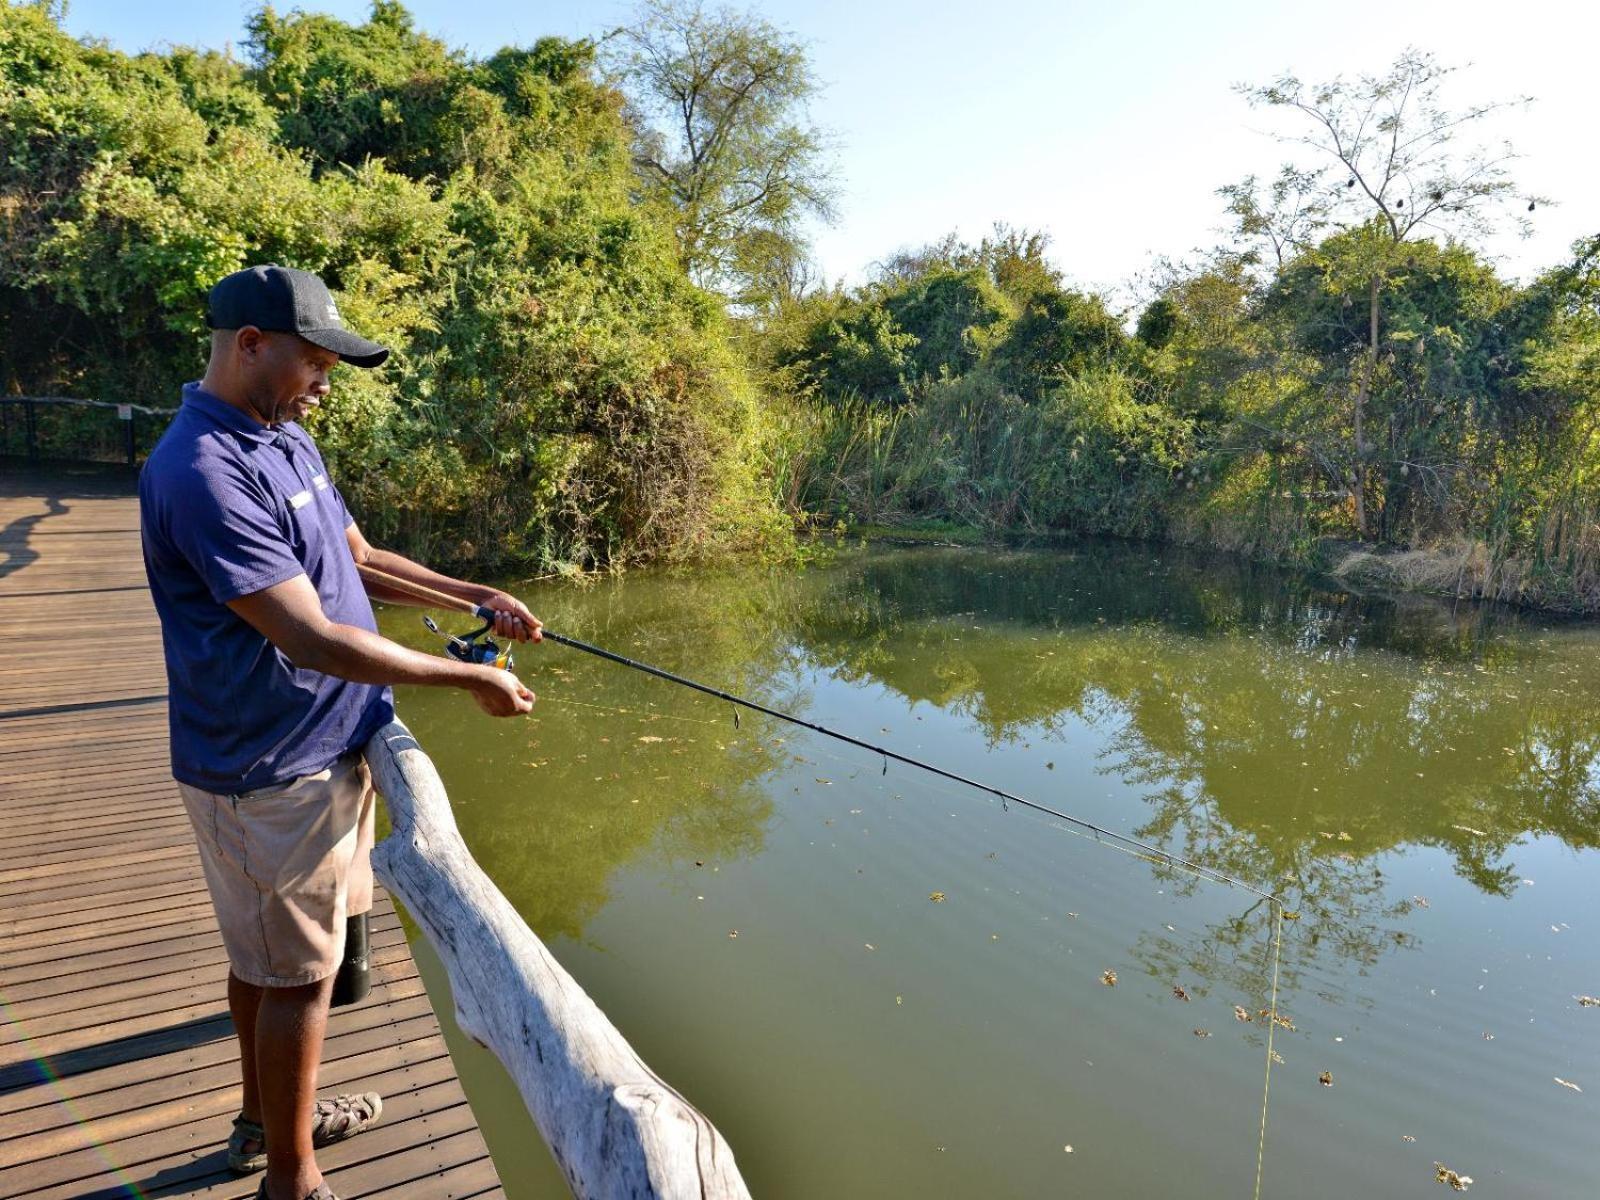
{"points": [[560, 392]]}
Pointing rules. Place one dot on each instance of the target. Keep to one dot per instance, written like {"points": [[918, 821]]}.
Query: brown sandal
{"points": [[333, 1120], [247, 1146], [322, 1192], [344, 1116]]}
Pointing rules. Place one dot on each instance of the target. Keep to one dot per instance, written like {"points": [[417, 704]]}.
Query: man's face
{"points": [[287, 376]]}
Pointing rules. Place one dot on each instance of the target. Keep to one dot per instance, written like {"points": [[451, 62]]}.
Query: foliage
{"points": [[561, 392], [1347, 368], [938, 313], [1395, 141], [565, 392]]}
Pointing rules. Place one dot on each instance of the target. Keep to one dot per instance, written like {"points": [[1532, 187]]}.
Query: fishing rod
{"points": [[478, 647]]}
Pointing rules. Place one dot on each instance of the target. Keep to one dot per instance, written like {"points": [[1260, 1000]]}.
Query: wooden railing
{"points": [[615, 1128], [72, 429]]}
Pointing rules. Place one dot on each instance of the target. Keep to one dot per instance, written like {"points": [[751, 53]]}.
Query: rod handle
{"points": [[422, 591]]}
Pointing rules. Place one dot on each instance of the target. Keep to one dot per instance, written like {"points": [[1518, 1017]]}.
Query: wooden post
{"points": [[615, 1128], [125, 414]]}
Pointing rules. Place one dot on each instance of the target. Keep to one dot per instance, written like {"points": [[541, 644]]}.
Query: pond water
{"points": [[880, 984]]}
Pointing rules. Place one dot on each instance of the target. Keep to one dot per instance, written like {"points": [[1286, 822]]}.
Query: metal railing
{"points": [[66, 428]]}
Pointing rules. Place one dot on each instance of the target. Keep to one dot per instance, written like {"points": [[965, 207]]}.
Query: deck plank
{"points": [[118, 1068]]}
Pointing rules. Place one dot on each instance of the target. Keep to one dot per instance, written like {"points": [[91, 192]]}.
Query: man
{"points": [[277, 677]]}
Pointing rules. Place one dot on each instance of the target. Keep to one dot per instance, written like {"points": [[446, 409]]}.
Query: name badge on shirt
{"points": [[300, 499], [321, 481]]}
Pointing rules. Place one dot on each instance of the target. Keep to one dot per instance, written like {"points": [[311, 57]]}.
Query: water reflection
{"points": [[1278, 731]]}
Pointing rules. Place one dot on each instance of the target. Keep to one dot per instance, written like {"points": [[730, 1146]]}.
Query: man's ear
{"points": [[250, 343]]}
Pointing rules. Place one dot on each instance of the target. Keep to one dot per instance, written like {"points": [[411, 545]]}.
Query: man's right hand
{"points": [[500, 693]]}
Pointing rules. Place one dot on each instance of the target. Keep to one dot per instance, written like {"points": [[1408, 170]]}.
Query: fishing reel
{"points": [[475, 647]]}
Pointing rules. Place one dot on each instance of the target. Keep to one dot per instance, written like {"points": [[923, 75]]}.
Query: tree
{"points": [[1285, 217], [718, 103], [1386, 170]]}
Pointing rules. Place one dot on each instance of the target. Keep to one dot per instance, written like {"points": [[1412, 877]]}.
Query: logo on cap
{"points": [[333, 313]]}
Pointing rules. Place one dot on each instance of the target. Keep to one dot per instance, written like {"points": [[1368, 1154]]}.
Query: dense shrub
{"points": [[560, 391]]}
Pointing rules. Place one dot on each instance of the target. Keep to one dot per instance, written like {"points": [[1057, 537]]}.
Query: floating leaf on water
{"points": [[1278, 1019], [1177, 990], [1291, 916], [936, 897], [869, 945], [649, 739], [1471, 830], [1067, 1149], [1443, 1174], [824, 782], [1487, 1036], [1588, 1002], [1277, 1058], [1567, 1083], [855, 812], [1406, 1137], [1326, 1079], [1420, 901], [1345, 837], [1240, 1013], [1109, 978], [899, 999]]}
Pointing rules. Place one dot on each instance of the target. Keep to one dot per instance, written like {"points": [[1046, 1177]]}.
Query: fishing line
{"points": [[1006, 797]]}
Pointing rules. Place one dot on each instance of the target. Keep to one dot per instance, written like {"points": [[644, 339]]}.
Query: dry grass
{"points": [[1470, 568]]}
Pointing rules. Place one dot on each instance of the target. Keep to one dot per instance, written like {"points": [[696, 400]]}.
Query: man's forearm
{"points": [[355, 654]]}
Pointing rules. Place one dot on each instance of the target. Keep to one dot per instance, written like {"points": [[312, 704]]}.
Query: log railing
{"points": [[615, 1128]]}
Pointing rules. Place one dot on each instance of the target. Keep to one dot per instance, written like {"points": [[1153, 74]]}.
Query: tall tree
{"points": [[718, 100], [1384, 165]]}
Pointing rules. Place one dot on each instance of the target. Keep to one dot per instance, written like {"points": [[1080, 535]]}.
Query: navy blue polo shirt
{"points": [[228, 507]]}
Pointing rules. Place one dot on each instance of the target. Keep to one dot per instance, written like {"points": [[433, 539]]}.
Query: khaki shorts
{"points": [[286, 865]]}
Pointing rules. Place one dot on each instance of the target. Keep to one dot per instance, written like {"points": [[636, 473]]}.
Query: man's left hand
{"points": [[512, 618]]}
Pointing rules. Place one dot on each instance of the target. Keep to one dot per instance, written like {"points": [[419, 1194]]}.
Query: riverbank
{"points": [[1460, 569]]}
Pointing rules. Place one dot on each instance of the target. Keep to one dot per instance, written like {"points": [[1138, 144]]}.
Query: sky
{"points": [[1108, 126]]}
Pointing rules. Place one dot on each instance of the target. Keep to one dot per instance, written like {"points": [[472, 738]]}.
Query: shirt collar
{"points": [[226, 415]]}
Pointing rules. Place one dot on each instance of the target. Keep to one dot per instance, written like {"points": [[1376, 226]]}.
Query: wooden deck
{"points": [[118, 1066]]}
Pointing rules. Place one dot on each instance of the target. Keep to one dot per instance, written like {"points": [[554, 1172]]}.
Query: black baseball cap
{"points": [[284, 300]]}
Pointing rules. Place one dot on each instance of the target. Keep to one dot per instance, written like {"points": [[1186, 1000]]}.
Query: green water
{"points": [[1421, 782]]}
